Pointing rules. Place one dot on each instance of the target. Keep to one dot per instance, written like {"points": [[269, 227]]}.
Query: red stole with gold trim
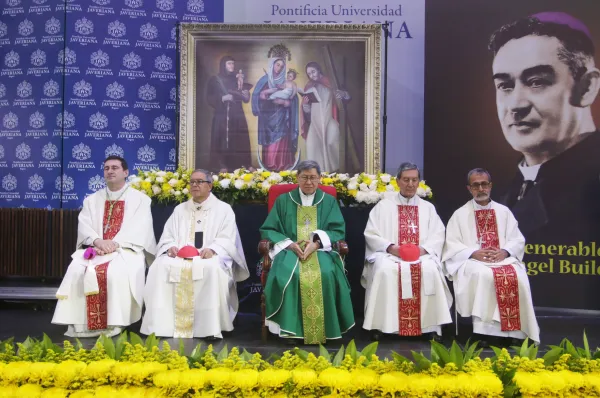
{"points": [[505, 276], [97, 303], [409, 310]]}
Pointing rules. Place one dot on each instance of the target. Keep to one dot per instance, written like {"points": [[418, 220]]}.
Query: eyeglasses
{"points": [[307, 178], [483, 185], [198, 182]]}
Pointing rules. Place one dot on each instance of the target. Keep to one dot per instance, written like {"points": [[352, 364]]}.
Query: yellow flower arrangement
{"points": [[245, 185]]}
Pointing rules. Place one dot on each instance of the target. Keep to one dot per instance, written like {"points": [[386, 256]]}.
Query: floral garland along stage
{"points": [[130, 367], [244, 185]]}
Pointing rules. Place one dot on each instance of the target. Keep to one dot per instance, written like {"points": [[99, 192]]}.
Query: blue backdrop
{"points": [[81, 80]]}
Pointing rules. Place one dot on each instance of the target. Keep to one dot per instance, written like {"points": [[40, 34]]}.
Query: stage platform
{"points": [[22, 318]]}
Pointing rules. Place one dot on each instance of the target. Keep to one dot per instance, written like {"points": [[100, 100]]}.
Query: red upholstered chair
{"points": [[265, 246]]}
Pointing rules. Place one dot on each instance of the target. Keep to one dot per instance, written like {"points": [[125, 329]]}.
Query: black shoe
{"points": [[375, 335], [435, 337], [290, 341], [211, 338], [515, 342]]}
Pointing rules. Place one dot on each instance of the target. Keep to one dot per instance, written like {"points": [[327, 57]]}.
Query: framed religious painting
{"points": [[268, 96]]}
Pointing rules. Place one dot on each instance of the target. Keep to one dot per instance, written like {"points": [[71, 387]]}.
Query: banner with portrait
{"points": [[512, 87]]}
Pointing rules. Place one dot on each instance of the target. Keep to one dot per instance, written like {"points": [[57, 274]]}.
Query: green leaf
{"points": [[8, 342], [302, 354], [351, 350], [109, 346], [596, 354], [246, 356], [151, 341], [511, 391], [197, 353], [441, 352], [273, 357], [399, 358], [134, 339], [525, 348], [120, 345], [586, 346], [421, 361], [477, 353], [456, 355], [339, 357], [533, 352], [181, 348], [324, 353], [370, 350], [571, 350], [496, 350], [552, 356], [78, 345], [223, 354], [470, 351]]}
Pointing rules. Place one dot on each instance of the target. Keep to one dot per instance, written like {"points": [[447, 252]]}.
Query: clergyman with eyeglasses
{"points": [[483, 256], [191, 290], [307, 292]]}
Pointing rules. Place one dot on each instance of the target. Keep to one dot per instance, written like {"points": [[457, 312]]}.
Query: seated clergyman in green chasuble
{"points": [[307, 292]]}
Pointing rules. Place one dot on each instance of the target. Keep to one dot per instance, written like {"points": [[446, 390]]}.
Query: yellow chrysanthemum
{"points": [[304, 377], [247, 177], [245, 379], [327, 181], [284, 173], [219, 377], [334, 378], [265, 174], [273, 378], [66, 372], [53, 393]]}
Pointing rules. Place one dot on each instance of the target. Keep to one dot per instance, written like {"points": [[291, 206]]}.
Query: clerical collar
{"points": [[529, 172], [116, 194], [307, 200], [199, 206], [407, 201], [477, 206]]}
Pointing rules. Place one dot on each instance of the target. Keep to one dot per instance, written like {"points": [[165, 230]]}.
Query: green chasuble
{"points": [[308, 299]]}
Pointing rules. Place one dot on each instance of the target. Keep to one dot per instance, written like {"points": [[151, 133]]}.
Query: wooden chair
{"points": [[265, 246]]}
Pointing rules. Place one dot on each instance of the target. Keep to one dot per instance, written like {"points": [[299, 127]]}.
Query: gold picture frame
{"points": [[340, 61]]}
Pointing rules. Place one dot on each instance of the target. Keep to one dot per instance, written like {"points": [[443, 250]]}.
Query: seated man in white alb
{"points": [[191, 287], [102, 290], [407, 299], [483, 255]]}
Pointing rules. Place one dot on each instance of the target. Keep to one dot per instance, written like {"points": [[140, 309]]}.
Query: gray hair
{"points": [[208, 174], [406, 166], [306, 165], [478, 170]]}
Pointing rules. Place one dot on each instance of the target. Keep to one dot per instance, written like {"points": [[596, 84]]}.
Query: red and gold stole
{"points": [[97, 303], [409, 310], [505, 276]]}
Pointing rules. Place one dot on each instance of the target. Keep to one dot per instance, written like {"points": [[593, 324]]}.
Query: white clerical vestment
{"points": [[496, 295], [103, 294], [196, 297], [408, 299]]}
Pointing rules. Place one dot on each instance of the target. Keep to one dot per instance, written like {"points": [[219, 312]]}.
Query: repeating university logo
{"points": [[71, 6], [148, 34], [100, 7], [116, 31], [114, 150], [11, 61], [65, 184], [23, 154], [24, 94], [98, 124], [51, 94], [67, 58], [133, 8], [35, 183], [171, 166], [132, 62], [96, 183], [147, 98], [164, 10], [196, 8], [40, 7], [84, 29], [10, 124], [81, 154], [172, 103], [52, 28], [50, 156], [4, 40], [99, 61], [146, 155], [162, 125], [131, 124], [9, 185], [3, 100], [13, 7], [38, 62], [115, 92], [172, 43], [3, 162], [37, 121], [82, 90], [25, 30], [65, 121], [163, 64]]}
